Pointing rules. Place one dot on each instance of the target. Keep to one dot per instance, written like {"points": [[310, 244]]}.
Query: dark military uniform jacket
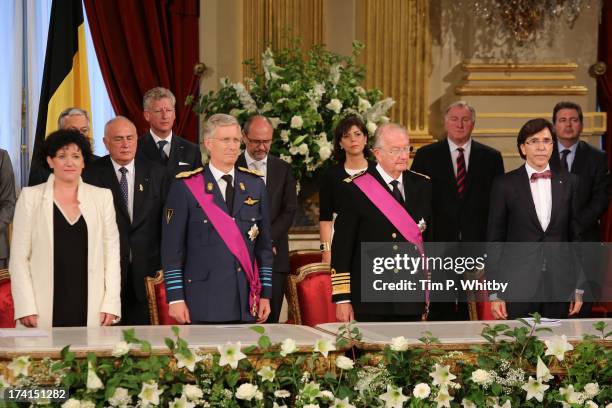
{"points": [[199, 267], [364, 222]]}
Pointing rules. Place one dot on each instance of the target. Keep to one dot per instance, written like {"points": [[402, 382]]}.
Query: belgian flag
{"points": [[65, 80]]}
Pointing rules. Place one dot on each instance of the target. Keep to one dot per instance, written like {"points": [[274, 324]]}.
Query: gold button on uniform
{"points": [[188, 280], [394, 235], [239, 269], [205, 221], [395, 247]]}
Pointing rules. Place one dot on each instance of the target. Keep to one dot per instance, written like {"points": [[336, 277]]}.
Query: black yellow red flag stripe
{"points": [[65, 78]]}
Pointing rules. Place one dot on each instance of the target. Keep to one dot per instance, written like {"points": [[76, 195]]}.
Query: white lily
{"points": [[542, 372], [93, 381], [443, 398], [394, 397], [342, 403], [267, 373], [192, 392], [189, 362], [19, 366], [442, 375], [466, 403], [181, 403], [324, 346], [149, 394], [535, 389], [557, 346], [230, 354], [569, 395]]}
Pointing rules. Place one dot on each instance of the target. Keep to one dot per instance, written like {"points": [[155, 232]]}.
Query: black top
{"points": [[332, 190], [69, 271]]}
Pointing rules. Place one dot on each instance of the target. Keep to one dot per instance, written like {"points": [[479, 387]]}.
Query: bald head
{"points": [[258, 132], [120, 139]]}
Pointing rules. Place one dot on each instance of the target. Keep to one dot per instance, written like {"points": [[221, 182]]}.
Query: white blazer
{"points": [[31, 261]]}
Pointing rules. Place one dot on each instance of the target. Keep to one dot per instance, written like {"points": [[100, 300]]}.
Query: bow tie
{"points": [[543, 175]]}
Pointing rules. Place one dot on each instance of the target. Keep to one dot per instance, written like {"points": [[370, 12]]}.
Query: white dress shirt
{"points": [[455, 153], [388, 179], [257, 165], [131, 177], [570, 156], [157, 139], [542, 195], [217, 174]]}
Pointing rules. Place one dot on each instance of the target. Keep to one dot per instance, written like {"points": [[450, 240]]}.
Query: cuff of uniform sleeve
{"points": [[579, 292], [342, 301], [266, 292], [493, 297]]}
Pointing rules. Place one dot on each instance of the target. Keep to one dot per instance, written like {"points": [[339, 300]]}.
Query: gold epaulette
{"points": [[341, 282], [354, 176], [250, 171], [189, 173], [420, 174]]}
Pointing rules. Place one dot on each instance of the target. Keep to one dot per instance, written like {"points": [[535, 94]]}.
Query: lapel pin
{"points": [[209, 187], [242, 186], [140, 187]]}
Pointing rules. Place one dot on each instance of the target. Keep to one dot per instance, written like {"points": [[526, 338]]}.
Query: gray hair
{"points": [[461, 104], [72, 111], [217, 120], [117, 119], [156, 94], [247, 125], [383, 128]]}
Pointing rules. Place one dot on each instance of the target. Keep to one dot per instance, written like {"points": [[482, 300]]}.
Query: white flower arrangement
{"points": [[304, 94]]}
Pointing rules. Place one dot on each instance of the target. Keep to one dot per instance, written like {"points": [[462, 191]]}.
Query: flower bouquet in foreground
{"points": [[514, 368], [305, 94]]}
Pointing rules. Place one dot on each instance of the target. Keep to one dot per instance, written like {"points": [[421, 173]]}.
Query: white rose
{"points": [[364, 105], [591, 390], [590, 404], [275, 122], [72, 403], [120, 398], [87, 404], [303, 149], [121, 349], [421, 391], [325, 153], [481, 376], [288, 346], [246, 391], [285, 87], [344, 363], [259, 395], [293, 150], [371, 126], [399, 343], [192, 392], [286, 158], [334, 105], [284, 135], [297, 122], [328, 394]]}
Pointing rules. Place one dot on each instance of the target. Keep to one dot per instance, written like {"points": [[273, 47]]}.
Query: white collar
{"points": [[572, 148], [250, 160], [129, 166], [531, 170], [386, 177], [466, 147], [217, 174], [157, 138]]}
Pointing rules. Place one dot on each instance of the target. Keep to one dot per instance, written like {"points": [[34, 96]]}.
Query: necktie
{"points": [[461, 172], [123, 184], [258, 167], [162, 153], [396, 192], [229, 192], [543, 175], [564, 154]]}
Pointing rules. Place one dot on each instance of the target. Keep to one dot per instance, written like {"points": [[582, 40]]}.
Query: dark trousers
{"points": [[279, 285], [387, 318], [553, 310], [448, 311], [134, 312]]}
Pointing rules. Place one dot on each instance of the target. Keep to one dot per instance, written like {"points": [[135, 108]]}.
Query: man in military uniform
{"points": [[389, 204], [216, 245]]}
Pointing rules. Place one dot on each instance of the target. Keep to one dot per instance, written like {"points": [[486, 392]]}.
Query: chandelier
{"points": [[523, 19]]}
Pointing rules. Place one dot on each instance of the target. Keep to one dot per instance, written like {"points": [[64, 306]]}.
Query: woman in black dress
{"points": [[350, 153]]}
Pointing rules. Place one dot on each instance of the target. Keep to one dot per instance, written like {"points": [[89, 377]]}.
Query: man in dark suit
{"points": [[139, 192], [160, 144], [591, 166], [537, 206], [71, 119], [282, 199], [462, 172], [7, 204], [216, 246], [371, 219]]}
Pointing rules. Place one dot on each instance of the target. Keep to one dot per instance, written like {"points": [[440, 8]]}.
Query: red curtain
{"points": [[144, 44], [604, 94]]}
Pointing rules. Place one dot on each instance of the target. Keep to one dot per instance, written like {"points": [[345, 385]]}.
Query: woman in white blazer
{"points": [[65, 203]]}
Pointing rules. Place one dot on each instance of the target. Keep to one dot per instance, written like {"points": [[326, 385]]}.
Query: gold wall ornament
{"points": [[598, 69], [397, 58]]}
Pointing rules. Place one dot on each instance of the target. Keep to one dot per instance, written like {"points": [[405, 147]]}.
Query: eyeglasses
{"points": [[396, 151], [534, 142], [267, 142]]}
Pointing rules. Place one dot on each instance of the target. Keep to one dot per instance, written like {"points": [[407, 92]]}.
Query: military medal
{"points": [[209, 186], [422, 225], [242, 186], [253, 232], [254, 308], [250, 201]]}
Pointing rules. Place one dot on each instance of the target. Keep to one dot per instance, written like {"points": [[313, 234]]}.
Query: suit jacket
{"points": [[7, 200], [31, 264], [141, 238], [513, 219], [200, 269], [591, 167], [184, 155], [282, 203], [363, 222], [459, 219]]}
